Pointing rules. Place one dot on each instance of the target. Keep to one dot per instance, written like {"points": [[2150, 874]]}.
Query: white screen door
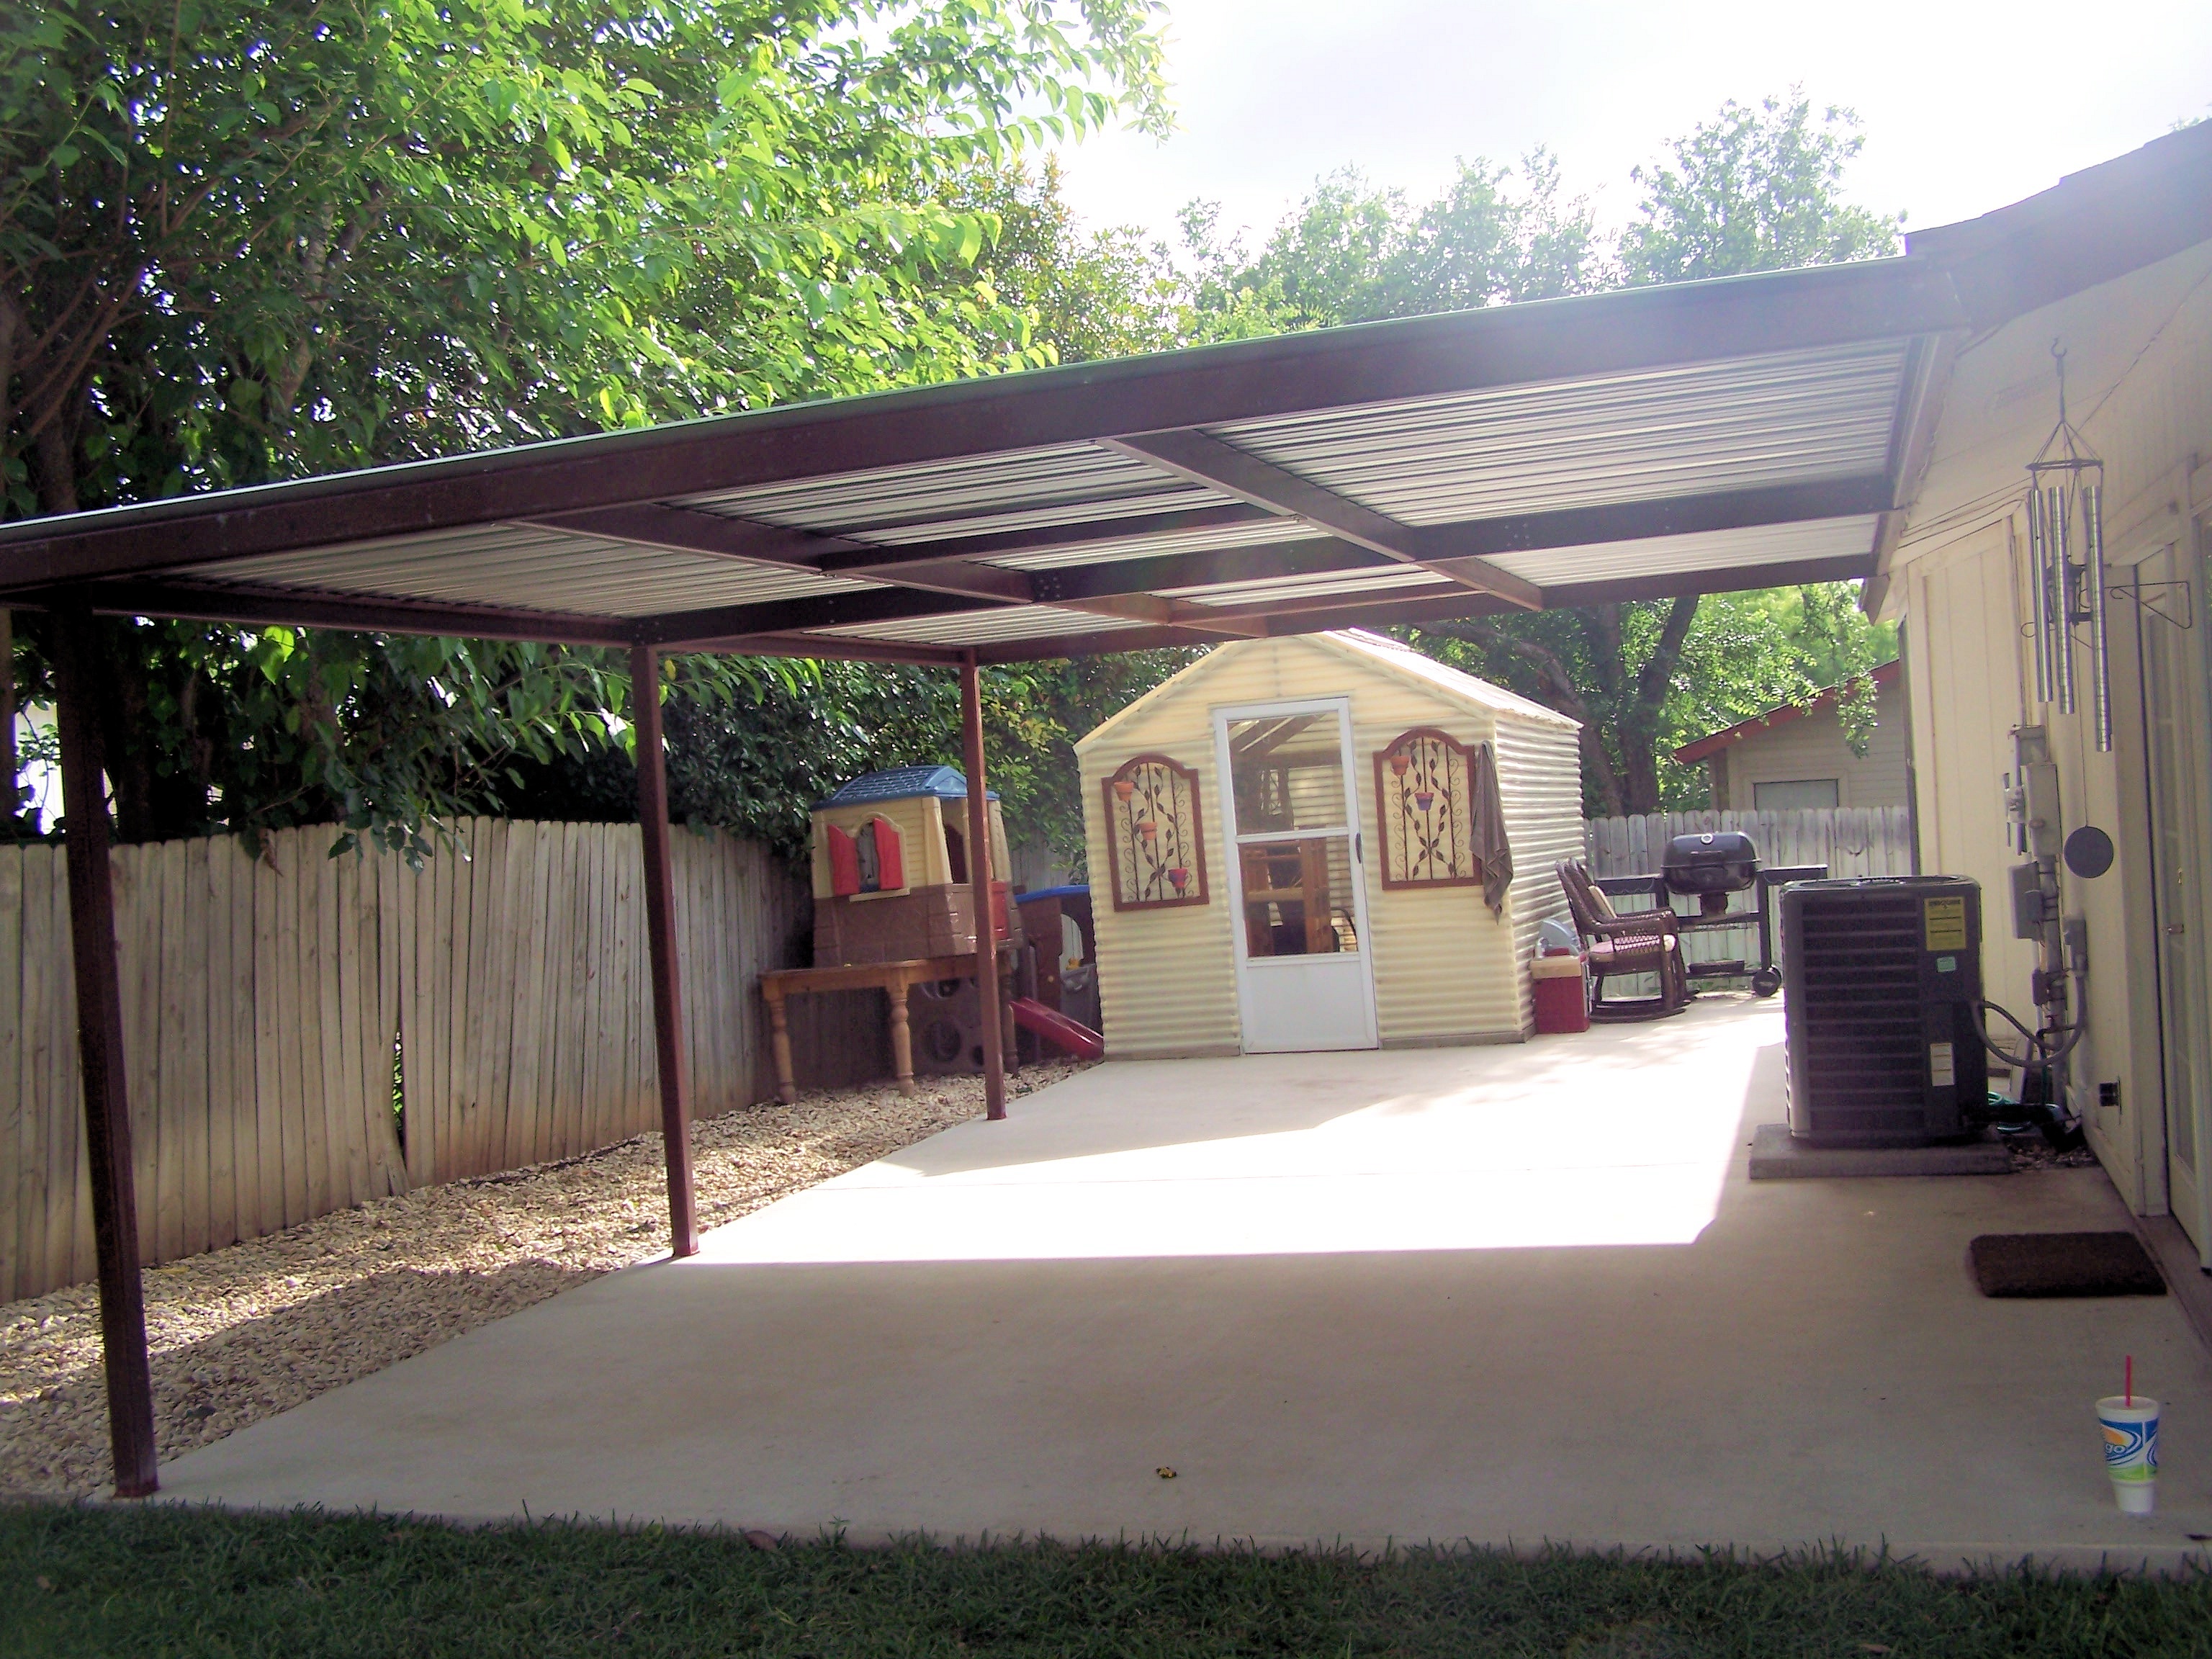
{"points": [[2175, 704], [1302, 975]]}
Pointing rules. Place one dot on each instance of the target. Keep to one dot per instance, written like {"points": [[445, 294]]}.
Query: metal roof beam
{"points": [[697, 630], [1198, 455], [1641, 520], [870, 558], [829, 646], [655, 525], [268, 607], [1319, 614], [1164, 572]]}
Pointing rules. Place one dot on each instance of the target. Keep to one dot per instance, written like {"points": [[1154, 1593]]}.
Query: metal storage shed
{"points": [[1375, 874]]}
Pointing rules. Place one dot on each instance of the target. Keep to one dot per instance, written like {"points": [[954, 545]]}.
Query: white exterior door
{"points": [[1299, 901], [2176, 704]]}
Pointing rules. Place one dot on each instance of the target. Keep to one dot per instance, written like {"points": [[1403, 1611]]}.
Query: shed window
{"points": [[1298, 897], [1797, 795], [1288, 770]]}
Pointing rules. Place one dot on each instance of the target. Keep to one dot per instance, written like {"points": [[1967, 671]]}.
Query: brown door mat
{"points": [[2062, 1264]]}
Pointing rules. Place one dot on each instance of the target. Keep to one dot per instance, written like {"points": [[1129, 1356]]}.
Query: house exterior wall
{"points": [[1445, 970], [2141, 363], [1815, 747]]}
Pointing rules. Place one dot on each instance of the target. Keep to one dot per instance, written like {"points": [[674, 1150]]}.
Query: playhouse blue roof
{"points": [[902, 783]]}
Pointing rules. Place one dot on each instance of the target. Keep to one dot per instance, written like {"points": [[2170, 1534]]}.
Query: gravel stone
{"points": [[244, 1333]]}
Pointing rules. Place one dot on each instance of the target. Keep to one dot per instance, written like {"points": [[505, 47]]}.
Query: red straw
{"points": [[2130, 1384]]}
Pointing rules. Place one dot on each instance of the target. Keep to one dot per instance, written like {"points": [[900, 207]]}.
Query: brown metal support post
{"points": [[660, 931], [99, 1044], [979, 874]]}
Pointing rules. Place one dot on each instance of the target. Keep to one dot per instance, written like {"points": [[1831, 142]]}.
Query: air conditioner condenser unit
{"points": [[1882, 987]]}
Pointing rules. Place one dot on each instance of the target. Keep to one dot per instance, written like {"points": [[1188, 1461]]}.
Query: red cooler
{"points": [[1562, 1003]]}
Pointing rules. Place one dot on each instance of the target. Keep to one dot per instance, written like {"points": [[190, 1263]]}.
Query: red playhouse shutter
{"points": [[844, 863], [891, 857]]}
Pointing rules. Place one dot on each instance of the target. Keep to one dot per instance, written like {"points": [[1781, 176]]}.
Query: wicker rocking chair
{"points": [[1641, 943]]}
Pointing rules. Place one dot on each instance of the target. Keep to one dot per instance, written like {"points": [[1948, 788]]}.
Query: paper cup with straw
{"points": [[2130, 1424]]}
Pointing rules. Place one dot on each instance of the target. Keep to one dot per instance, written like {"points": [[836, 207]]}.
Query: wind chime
{"points": [[2066, 499]]}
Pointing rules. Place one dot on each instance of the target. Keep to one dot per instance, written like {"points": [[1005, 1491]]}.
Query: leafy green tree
{"points": [[1087, 296], [1754, 190], [1351, 252], [282, 237], [1750, 190]]}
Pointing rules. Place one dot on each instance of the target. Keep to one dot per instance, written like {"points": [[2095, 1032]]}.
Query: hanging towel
{"points": [[1488, 824]]}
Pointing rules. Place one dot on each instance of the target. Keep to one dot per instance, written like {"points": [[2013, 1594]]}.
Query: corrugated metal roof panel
{"points": [[1259, 533], [525, 567], [1023, 489], [1350, 584], [1717, 549], [1785, 418], [1034, 622]]}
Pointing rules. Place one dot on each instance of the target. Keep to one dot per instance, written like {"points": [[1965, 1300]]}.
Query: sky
{"points": [[1966, 107]]}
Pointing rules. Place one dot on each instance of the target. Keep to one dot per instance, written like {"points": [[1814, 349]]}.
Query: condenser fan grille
{"points": [[1869, 1005]]}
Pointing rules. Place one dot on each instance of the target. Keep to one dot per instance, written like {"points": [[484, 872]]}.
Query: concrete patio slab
{"points": [[1509, 1295]]}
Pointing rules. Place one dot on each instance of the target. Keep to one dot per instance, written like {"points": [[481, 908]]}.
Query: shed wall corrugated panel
{"points": [[1443, 967], [1539, 776], [1167, 979]]}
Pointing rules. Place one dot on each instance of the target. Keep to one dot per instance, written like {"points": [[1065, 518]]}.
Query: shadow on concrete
{"points": [[1128, 1106]]}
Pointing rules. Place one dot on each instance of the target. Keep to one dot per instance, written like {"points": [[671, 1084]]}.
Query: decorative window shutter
{"points": [[890, 855], [844, 863]]}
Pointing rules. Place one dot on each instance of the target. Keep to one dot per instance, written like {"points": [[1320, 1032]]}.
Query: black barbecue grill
{"points": [[1710, 866]]}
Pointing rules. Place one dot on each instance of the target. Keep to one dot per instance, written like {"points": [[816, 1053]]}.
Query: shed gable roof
{"points": [[1371, 653]]}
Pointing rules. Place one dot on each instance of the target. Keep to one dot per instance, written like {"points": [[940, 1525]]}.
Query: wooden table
{"points": [[895, 980]]}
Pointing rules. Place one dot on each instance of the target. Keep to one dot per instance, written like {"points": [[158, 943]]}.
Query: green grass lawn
{"points": [[155, 1581]]}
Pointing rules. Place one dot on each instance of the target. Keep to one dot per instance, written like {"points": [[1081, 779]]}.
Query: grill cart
{"points": [[1712, 866]]}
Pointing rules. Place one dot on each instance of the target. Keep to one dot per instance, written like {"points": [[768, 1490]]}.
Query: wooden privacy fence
{"points": [[1851, 840], [270, 1008]]}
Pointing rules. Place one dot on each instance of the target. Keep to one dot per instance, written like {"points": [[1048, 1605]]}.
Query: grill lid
{"points": [[1716, 861]]}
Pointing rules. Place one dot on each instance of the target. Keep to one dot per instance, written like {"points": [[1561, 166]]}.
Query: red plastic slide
{"points": [[1072, 1035]]}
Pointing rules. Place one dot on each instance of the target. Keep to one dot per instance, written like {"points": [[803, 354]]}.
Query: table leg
{"points": [[787, 1085], [902, 1039]]}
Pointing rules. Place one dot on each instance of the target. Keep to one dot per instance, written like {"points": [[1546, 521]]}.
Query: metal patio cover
{"points": [[1736, 433]]}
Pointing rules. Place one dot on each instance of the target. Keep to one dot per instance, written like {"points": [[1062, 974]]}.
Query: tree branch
{"points": [[1558, 691], [1659, 668]]}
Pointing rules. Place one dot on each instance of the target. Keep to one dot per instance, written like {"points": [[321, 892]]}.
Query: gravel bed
{"points": [[247, 1332]]}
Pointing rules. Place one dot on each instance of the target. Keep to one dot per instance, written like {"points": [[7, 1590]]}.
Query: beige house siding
{"points": [[2140, 357], [1445, 969], [1813, 747]]}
